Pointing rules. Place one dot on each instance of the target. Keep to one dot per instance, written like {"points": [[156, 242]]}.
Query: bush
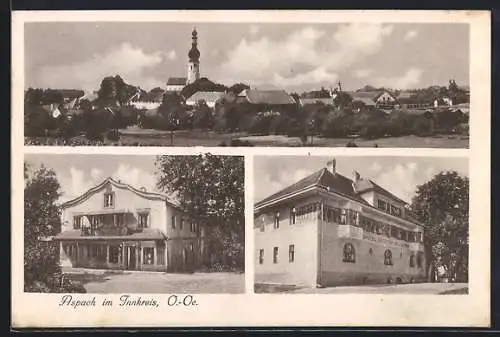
{"points": [[113, 135], [351, 144], [238, 142]]}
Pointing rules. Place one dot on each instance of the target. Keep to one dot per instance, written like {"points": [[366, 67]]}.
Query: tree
{"points": [[342, 99], [442, 206], [41, 221], [211, 190]]}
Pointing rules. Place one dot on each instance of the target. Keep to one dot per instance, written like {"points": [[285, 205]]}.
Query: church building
{"points": [[328, 230], [176, 84]]}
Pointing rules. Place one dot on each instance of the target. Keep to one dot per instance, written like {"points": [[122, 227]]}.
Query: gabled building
{"points": [[209, 97], [116, 226], [266, 100], [327, 229], [378, 98], [176, 84]]}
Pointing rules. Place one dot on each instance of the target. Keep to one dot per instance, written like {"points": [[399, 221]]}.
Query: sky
{"points": [[399, 175], [79, 173], [293, 56]]}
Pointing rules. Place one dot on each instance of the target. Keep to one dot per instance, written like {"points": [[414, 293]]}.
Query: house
{"points": [[327, 229], [116, 226], [409, 100], [176, 84], [209, 97], [309, 101], [378, 98], [266, 100]]}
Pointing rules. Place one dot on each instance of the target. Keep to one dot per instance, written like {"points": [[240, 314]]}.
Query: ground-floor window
{"points": [[261, 256], [275, 255], [114, 253], [291, 253], [148, 255], [349, 253], [388, 258], [412, 261], [98, 252]]}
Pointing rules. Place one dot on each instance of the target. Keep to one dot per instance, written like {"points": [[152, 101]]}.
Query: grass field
{"points": [[145, 137]]}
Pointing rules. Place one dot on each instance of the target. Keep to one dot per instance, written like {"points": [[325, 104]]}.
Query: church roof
{"points": [[207, 96], [269, 97], [177, 81]]}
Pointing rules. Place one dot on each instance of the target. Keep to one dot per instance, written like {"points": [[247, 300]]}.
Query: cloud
{"points": [[363, 73], [78, 182], [96, 173], [270, 184], [408, 80], [312, 54], [128, 61], [135, 177], [403, 179], [254, 30], [410, 35], [172, 55]]}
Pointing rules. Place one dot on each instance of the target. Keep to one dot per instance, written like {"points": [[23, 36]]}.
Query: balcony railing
{"points": [[348, 231], [105, 231]]}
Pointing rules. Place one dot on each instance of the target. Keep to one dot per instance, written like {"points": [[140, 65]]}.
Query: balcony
{"points": [[106, 231], [348, 231]]}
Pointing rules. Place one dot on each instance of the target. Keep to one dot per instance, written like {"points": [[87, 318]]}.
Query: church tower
{"points": [[193, 72]]}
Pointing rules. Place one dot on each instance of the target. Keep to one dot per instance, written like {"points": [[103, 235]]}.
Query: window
{"points": [[277, 220], [349, 253], [293, 214], [173, 221], [412, 261], [275, 255], [77, 220], [291, 253], [343, 217], [181, 226], [382, 205], [395, 210], [370, 251], [388, 258], [261, 256], [420, 260], [148, 255], [143, 220], [114, 252], [109, 199]]}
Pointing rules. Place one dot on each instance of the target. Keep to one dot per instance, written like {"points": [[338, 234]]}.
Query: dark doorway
{"points": [[132, 258]]}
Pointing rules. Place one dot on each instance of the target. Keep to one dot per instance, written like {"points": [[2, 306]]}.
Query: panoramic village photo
{"points": [[243, 84], [361, 225], [134, 224]]}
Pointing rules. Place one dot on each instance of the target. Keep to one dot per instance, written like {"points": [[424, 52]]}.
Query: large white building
{"points": [[327, 229], [116, 226]]}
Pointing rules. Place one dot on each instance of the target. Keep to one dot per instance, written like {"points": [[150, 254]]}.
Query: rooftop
{"points": [[177, 81]]}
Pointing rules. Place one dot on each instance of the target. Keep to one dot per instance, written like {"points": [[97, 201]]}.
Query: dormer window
{"points": [[109, 200]]}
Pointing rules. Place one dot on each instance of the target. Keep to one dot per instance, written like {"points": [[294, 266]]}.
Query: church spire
{"points": [[194, 53], [193, 72]]}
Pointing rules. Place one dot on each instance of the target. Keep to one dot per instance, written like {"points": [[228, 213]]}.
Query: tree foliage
{"points": [[41, 221], [210, 189], [442, 206]]}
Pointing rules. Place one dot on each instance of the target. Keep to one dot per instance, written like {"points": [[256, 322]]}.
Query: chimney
{"points": [[356, 177], [331, 166]]}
